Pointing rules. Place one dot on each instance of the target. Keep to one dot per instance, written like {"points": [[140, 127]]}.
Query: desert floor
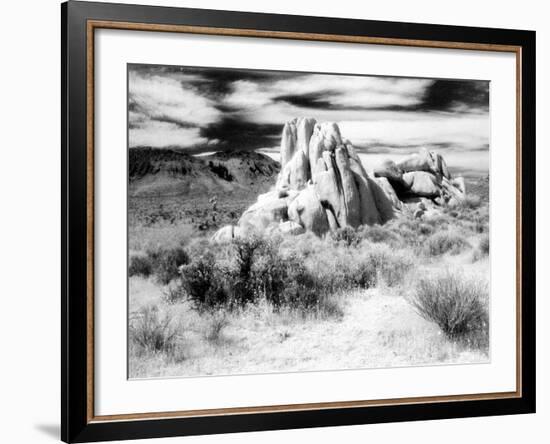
{"points": [[370, 327]]}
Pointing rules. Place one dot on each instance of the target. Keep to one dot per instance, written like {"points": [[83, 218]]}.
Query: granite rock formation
{"points": [[323, 186]]}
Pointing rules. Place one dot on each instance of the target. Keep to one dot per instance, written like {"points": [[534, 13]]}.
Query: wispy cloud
{"points": [[164, 134], [167, 111], [201, 109]]}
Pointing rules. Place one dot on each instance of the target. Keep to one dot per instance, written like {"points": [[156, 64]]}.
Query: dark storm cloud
{"points": [[208, 109], [236, 133], [457, 95], [439, 96], [309, 100], [212, 81]]}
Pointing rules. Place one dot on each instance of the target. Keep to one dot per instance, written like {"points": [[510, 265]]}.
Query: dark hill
{"points": [[166, 172]]}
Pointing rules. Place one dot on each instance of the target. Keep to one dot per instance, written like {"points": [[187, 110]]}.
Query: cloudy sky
{"points": [[213, 109]]}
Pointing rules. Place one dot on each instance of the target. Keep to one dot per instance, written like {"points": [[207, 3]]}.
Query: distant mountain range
{"points": [[172, 172]]}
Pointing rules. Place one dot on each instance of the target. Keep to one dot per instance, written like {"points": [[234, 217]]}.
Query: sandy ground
{"points": [[377, 328]]}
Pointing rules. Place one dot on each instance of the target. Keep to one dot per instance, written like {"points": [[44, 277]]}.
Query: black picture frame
{"points": [[77, 425]]}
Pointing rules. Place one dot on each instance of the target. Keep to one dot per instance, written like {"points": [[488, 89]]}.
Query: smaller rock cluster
{"points": [[323, 186]]}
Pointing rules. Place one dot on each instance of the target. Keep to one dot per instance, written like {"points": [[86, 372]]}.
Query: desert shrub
{"points": [[343, 269], [425, 229], [457, 305], [391, 266], [408, 232], [302, 290], [283, 279], [379, 234], [347, 236], [272, 274], [242, 276], [249, 270], [303, 245], [328, 306], [222, 276], [140, 266], [173, 294], [439, 222], [217, 322], [152, 331], [470, 202], [203, 280], [165, 263], [445, 242]]}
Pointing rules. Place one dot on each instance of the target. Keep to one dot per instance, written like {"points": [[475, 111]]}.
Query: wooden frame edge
{"points": [[106, 24]]}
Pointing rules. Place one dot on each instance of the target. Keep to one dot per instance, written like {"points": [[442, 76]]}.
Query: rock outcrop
{"points": [[323, 185], [425, 160]]}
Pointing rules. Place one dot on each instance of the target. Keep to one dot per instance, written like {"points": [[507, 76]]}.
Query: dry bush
{"points": [[459, 307], [217, 322], [303, 245], [445, 242], [152, 331], [340, 269], [347, 236], [140, 266], [202, 281], [409, 233], [252, 269], [391, 266], [380, 234], [166, 263], [470, 202]]}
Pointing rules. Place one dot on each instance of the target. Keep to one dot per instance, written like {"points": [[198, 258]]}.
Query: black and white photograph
{"points": [[290, 221]]}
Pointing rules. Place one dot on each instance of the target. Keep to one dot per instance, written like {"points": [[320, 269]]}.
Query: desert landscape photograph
{"points": [[290, 221]]}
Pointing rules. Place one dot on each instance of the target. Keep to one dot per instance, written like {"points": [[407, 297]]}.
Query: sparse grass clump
{"points": [[457, 305], [150, 331], [445, 242]]}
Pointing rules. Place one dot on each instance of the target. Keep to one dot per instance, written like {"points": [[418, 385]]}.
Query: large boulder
{"points": [[263, 213], [288, 142], [304, 130], [295, 158], [389, 191], [307, 211], [323, 185], [383, 201], [226, 234], [325, 137], [292, 228], [389, 170], [454, 191], [327, 185], [425, 160], [351, 214], [421, 183]]}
